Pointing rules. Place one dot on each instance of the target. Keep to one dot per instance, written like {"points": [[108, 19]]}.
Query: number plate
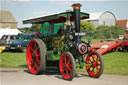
{"points": [[81, 34], [12, 47]]}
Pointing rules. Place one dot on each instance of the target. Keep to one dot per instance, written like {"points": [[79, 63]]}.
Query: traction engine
{"points": [[60, 45]]}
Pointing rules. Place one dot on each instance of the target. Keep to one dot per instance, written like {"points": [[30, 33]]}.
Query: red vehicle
{"points": [[110, 46], [124, 44]]}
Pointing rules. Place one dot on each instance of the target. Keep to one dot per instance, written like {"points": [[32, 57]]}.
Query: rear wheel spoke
{"points": [[31, 49], [67, 73]]}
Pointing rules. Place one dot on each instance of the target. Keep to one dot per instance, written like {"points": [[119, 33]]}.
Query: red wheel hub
{"points": [[66, 67], [94, 59], [33, 57]]}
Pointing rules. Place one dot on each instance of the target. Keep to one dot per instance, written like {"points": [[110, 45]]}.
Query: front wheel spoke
{"points": [[98, 59], [70, 68], [99, 63], [68, 62], [69, 65], [90, 60], [65, 59], [64, 69], [93, 70], [64, 66], [97, 69], [90, 68], [93, 58]]}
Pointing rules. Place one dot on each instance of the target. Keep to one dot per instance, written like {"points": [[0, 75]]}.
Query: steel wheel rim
{"points": [[94, 59], [33, 57], [66, 67]]}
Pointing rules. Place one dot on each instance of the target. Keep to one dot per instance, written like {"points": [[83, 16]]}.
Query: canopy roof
{"points": [[56, 18]]}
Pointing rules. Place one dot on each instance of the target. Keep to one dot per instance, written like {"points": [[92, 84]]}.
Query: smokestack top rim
{"points": [[76, 6]]}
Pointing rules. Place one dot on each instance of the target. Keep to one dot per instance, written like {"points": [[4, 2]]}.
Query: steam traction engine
{"points": [[60, 44]]}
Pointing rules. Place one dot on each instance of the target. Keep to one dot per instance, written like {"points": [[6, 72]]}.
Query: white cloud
{"points": [[30, 2], [10, 3], [42, 14], [68, 2], [39, 14], [81, 0], [60, 2], [24, 0], [78, 0], [7, 3]]}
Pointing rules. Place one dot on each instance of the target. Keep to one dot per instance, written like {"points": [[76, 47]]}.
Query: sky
{"points": [[25, 9]]}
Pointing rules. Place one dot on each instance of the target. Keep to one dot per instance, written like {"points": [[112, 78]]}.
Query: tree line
{"points": [[101, 32]]}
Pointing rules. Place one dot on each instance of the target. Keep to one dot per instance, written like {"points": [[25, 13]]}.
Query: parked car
{"points": [[22, 43], [7, 39]]}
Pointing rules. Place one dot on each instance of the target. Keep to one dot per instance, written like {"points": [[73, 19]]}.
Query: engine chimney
{"points": [[76, 8], [79, 47]]}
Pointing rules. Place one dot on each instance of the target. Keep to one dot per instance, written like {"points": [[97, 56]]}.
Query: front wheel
{"points": [[96, 69], [67, 66]]}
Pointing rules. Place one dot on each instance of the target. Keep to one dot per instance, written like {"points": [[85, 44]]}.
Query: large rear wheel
{"points": [[67, 66], [36, 56], [96, 69]]}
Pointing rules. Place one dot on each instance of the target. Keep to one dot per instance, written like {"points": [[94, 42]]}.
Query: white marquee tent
{"points": [[9, 32]]}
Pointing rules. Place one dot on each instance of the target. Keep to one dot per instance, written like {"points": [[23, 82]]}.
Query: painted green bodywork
{"points": [[52, 57], [54, 42], [46, 28]]}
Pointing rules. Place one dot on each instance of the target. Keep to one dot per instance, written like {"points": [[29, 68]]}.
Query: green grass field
{"points": [[12, 59], [114, 63]]}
